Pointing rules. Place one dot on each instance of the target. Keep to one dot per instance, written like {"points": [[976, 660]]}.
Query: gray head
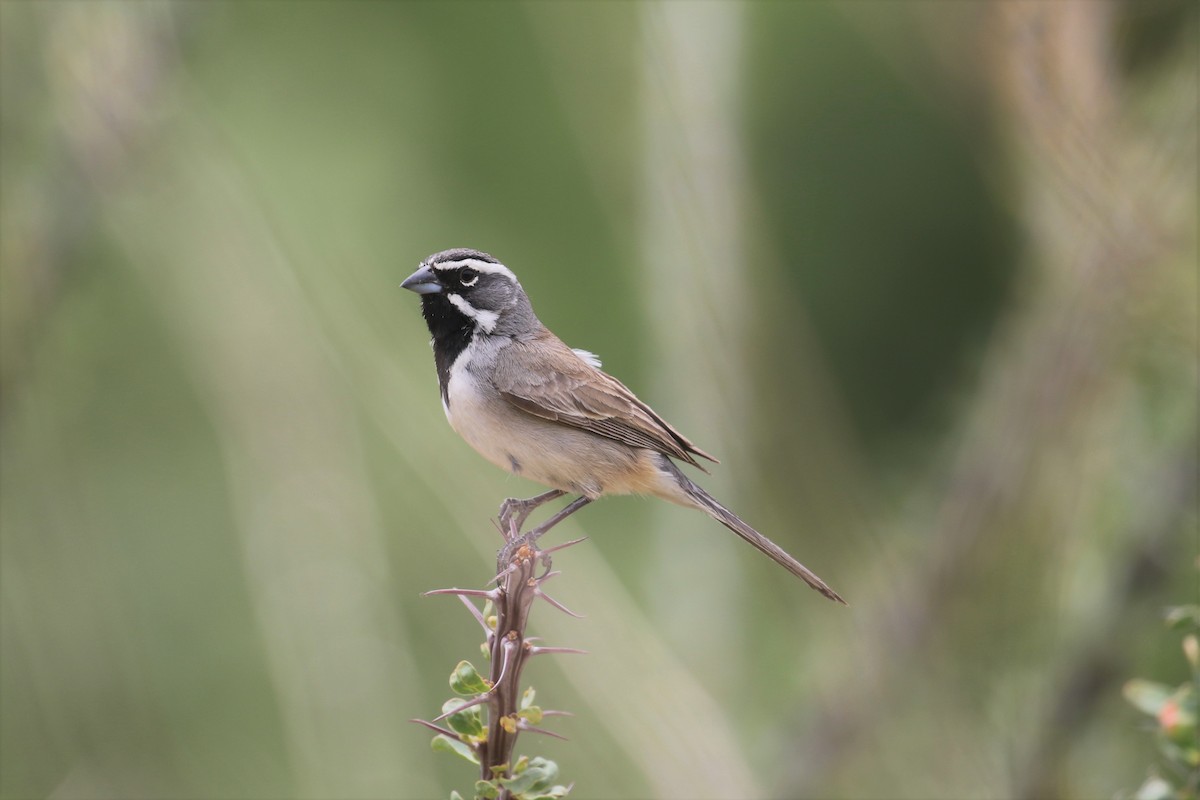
{"points": [[466, 292]]}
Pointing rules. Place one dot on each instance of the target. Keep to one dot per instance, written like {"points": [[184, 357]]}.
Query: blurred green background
{"points": [[923, 275]]}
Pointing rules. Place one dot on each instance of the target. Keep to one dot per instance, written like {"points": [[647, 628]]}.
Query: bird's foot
{"points": [[511, 517], [514, 512]]}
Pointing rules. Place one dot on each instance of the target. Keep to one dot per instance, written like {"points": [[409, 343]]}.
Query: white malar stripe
{"points": [[588, 356], [458, 382], [479, 266], [484, 320]]}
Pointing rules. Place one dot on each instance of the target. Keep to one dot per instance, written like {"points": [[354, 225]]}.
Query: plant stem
{"points": [[517, 591]]}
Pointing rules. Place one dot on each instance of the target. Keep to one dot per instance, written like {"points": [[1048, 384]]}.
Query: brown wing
{"points": [[546, 378]]}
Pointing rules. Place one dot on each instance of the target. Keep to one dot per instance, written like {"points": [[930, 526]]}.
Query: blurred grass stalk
{"points": [[694, 296], [311, 540]]}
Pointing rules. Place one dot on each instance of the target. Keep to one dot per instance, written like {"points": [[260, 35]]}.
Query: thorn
{"points": [[563, 546], [549, 712], [556, 604], [548, 575], [469, 704], [507, 647], [476, 613], [525, 726], [511, 568], [545, 651], [440, 729], [490, 595]]}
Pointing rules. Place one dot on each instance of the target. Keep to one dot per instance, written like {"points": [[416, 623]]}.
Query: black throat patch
{"points": [[451, 330]]}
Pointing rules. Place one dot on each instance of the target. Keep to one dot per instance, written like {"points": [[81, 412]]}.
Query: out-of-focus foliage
{"points": [[1175, 714], [922, 274]]}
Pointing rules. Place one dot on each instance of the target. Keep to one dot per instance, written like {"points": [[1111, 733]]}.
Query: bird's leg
{"points": [[514, 512], [567, 510], [506, 555]]}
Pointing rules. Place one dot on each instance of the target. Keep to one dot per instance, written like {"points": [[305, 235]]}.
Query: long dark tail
{"points": [[706, 502]]}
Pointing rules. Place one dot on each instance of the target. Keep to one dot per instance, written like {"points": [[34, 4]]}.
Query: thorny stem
{"points": [[516, 591], [517, 586]]}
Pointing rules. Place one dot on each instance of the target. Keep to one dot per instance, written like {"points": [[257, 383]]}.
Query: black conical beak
{"points": [[423, 281]]}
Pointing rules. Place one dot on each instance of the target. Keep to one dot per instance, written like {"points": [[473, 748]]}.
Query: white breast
{"points": [[473, 408], [555, 455]]}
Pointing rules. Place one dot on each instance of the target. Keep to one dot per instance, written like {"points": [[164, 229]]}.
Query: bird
{"points": [[537, 408]]}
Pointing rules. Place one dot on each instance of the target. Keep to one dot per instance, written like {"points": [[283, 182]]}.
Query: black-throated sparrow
{"points": [[537, 408]]}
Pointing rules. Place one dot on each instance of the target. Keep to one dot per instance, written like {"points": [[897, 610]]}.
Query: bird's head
{"points": [[468, 291]]}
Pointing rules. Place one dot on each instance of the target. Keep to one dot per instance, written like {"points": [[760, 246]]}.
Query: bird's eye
{"points": [[468, 276]]}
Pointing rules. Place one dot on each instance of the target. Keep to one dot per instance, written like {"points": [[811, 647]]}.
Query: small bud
{"points": [[1191, 649], [1177, 716], [1168, 716]]}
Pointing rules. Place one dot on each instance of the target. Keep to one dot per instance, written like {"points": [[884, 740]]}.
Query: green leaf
{"points": [[444, 744], [1147, 696], [487, 789], [553, 793], [1178, 755], [527, 697], [1183, 616], [466, 680], [467, 722], [537, 777]]}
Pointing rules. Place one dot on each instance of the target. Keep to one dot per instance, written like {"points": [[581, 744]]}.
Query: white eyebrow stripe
{"points": [[476, 264], [484, 320]]}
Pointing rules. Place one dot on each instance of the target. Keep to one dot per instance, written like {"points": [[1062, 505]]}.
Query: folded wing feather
{"points": [[546, 378]]}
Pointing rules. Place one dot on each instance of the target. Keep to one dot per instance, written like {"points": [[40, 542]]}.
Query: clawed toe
{"points": [[509, 528], [513, 512]]}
